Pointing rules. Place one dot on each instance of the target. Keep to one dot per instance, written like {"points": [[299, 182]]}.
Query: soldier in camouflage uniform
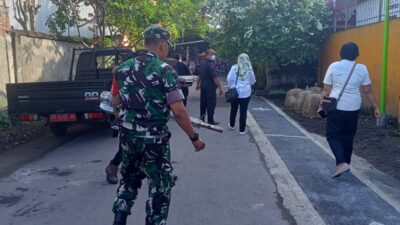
{"points": [[148, 91]]}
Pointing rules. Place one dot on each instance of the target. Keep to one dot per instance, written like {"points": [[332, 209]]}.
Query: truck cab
{"points": [[75, 100]]}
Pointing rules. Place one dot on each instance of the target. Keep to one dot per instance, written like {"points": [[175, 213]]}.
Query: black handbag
{"points": [[329, 104], [232, 93]]}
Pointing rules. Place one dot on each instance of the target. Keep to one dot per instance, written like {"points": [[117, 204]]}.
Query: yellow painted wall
{"points": [[370, 42]]}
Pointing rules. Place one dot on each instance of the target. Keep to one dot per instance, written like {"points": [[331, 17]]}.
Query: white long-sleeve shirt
{"points": [[243, 86]]}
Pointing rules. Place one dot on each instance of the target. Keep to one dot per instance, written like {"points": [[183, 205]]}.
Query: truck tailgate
{"points": [[55, 97]]}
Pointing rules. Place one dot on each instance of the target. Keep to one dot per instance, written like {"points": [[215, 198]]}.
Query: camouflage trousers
{"points": [[145, 158]]}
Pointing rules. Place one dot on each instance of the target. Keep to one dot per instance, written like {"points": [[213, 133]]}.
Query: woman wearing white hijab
{"points": [[242, 77]]}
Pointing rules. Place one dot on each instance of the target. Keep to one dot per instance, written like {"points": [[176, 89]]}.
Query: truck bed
{"points": [[56, 97]]}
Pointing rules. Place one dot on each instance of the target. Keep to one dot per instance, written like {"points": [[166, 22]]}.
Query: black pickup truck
{"points": [[67, 102]]}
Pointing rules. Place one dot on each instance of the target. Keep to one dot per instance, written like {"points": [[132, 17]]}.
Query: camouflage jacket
{"points": [[147, 86]]}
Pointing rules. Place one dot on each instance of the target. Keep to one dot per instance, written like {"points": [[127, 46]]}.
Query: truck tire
{"points": [[58, 129]]}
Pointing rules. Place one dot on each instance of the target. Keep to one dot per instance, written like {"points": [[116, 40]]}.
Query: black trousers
{"points": [[185, 91], [244, 104], [208, 102], [118, 157], [341, 128]]}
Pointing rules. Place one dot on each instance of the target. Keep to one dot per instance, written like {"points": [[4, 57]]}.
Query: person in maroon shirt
{"points": [[112, 167]]}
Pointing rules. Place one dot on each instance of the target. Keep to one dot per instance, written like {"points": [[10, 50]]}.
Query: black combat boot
{"points": [[112, 174], [120, 218]]}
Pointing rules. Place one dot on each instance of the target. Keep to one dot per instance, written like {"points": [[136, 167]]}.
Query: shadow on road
{"points": [[13, 159]]}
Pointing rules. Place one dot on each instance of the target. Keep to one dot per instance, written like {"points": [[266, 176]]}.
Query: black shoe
{"points": [[120, 218], [214, 123]]}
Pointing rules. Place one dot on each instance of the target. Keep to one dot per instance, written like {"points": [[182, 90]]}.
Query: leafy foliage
{"points": [[274, 33], [179, 16], [128, 18], [59, 21], [69, 14]]}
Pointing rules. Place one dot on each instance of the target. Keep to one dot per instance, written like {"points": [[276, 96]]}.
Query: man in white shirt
{"points": [[341, 124]]}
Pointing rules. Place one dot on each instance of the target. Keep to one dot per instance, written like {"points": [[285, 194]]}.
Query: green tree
{"points": [[128, 18], [68, 14], [274, 33], [179, 16]]}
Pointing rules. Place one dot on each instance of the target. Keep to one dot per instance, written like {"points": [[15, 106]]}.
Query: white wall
{"points": [[46, 9], [6, 67], [42, 58], [368, 11], [38, 57]]}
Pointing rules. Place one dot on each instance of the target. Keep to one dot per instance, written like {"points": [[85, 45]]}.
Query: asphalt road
{"points": [[227, 183]]}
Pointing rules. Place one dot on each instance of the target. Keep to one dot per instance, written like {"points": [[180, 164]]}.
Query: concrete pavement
{"points": [[277, 173], [228, 183]]}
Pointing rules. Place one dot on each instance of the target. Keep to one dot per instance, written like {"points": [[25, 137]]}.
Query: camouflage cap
{"points": [[157, 32], [211, 51]]}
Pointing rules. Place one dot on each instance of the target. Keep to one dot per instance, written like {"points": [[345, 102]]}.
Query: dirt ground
{"points": [[379, 146], [21, 133]]}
